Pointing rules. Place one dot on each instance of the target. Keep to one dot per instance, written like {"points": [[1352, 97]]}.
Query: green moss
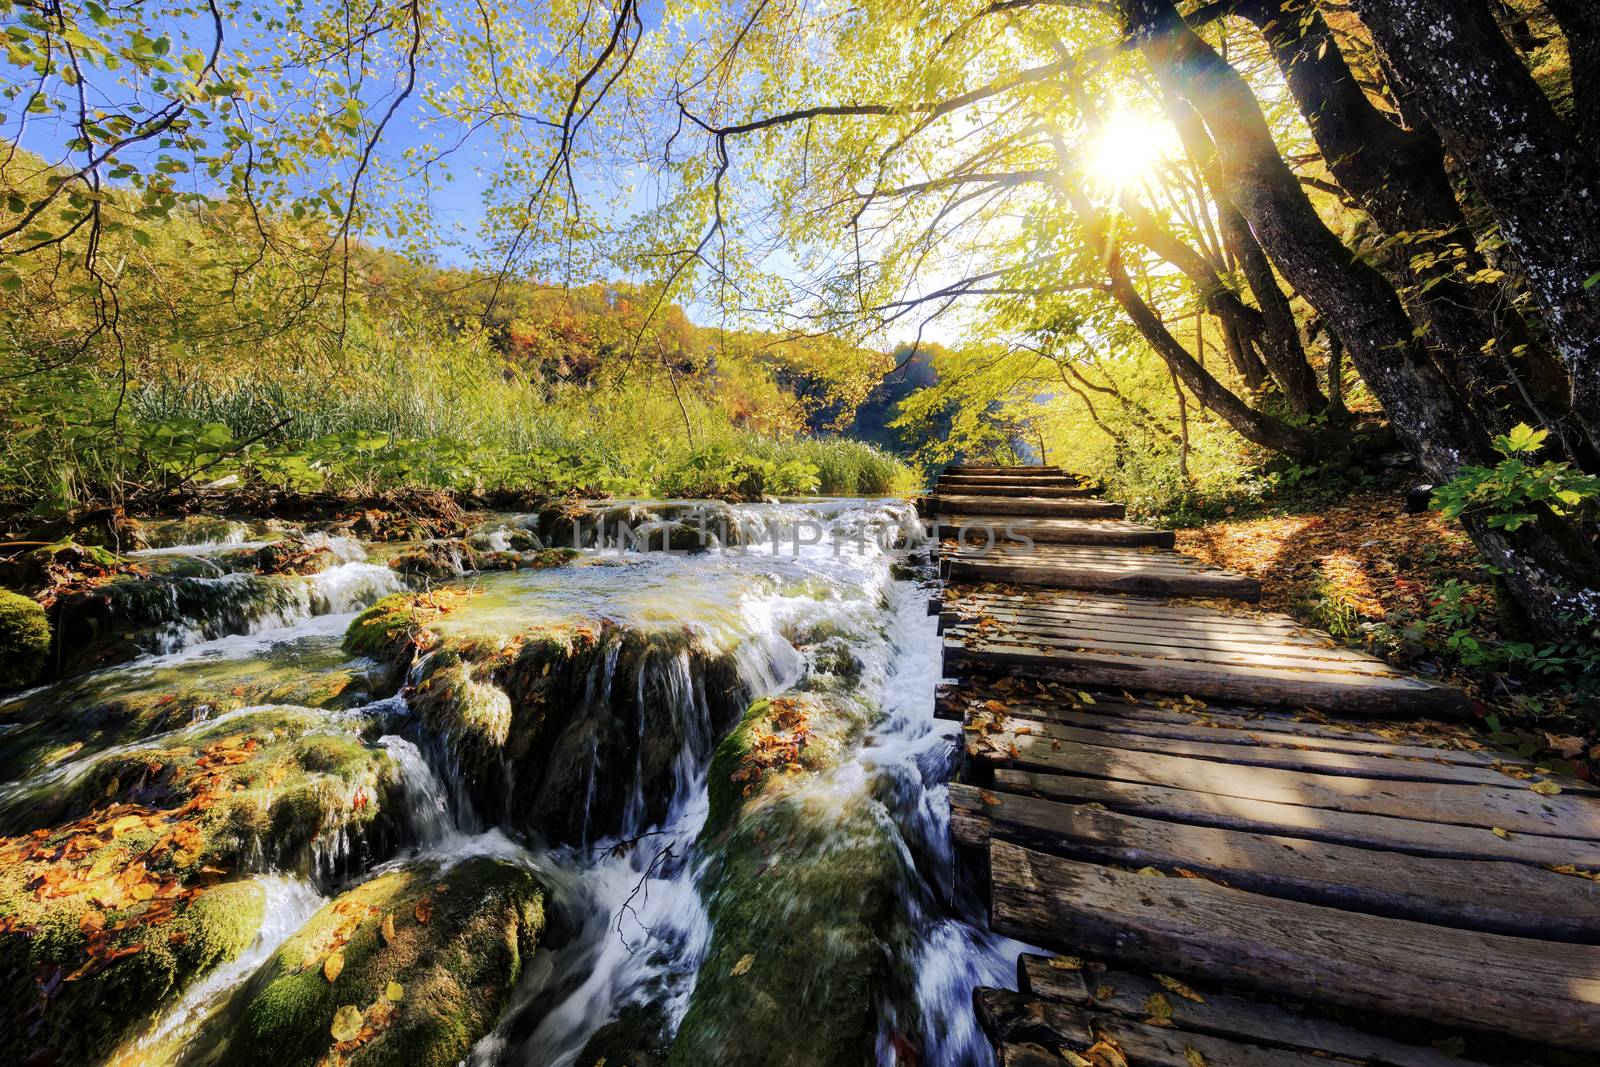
{"points": [[805, 889], [376, 631], [140, 970], [76, 718], [24, 640], [456, 971]]}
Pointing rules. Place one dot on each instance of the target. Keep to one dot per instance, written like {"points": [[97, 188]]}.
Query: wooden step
{"points": [[1031, 506], [1012, 489], [975, 530], [1173, 672], [1176, 803], [1496, 897], [1128, 994], [1023, 472], [1512, 807], [1157, 572], [1541, 991], [1037, 481]]}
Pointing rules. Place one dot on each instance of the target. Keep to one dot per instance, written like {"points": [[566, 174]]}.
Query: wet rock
{"points": [[274, 788], [79, 717], [637, 1037], [24, 640], [290, 555], [84, 965], [410, 967], [441, 560], [575, 730], [801, 890], [802, 904]]}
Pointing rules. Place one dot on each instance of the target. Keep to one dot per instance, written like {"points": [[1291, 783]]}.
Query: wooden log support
{"points": [[974, 530], [962, 504], [1497, 897], [1194, 926]]}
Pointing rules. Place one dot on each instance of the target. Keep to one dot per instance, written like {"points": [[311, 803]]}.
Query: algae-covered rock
{"points": [[441, 560], [570, 729], [411, 968], [275, 787], [801, 890], [802, 905], [24, 640], [97, 935], [396, 627], [76, 718]]}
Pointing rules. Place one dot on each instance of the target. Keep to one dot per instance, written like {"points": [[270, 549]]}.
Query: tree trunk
{"points": [[1354, 300], [1252, 425], [1526, 163], [1580, 25], [1281, 348], [1398, 177]]}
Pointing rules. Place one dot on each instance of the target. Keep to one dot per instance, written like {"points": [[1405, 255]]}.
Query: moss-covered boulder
{"points": [[441, 560], [565, 729], [802, 899], [24, 640], [572, 730], [94, 941], [74, 719], [411, 968], [275, 788], [802, 890]]}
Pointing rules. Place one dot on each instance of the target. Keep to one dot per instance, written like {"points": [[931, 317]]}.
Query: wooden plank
{"points": [[1054, 491], [1233, 730], [1323, 690], [1016, 1021], [1298, 655], [1511, 807], [1045, 601], [1125, 993], [1394, 833], [1024, 470], [1497, 897], [1155, 634], [1063, 704], [949, 503], [1064, 574], [1540, 991], [1055, 531], [997, 739]]}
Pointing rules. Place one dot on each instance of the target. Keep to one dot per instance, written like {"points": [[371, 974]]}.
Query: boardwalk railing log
{"points": [[1230, 825]]}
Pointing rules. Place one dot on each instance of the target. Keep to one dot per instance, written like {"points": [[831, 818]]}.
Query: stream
{"points": [[620, 822]]}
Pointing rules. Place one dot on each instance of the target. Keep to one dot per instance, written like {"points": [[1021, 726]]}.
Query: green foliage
{"points": [[1512, 492], [24, 640]]}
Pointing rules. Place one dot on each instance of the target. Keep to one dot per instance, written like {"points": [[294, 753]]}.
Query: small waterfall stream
{"points": [[629, 925]]}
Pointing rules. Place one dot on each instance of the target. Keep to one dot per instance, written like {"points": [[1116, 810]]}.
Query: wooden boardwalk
{"points": [[1235, 831]]}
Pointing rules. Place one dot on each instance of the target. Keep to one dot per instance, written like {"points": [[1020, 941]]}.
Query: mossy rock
{"points": [[266, 789], [802, 900], [76, 718], [82, 969], [442, 560], [24, 640], [450, 941], [781, 739]]}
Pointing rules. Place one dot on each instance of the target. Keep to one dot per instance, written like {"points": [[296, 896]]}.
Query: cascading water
{"points": [[791, 596]]}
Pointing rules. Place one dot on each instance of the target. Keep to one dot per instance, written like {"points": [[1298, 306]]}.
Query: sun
{"points": [[1126, 150]]}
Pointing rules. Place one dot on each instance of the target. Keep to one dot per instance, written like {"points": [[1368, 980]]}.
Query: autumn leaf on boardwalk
{"points": [[1172, 985], [1545, 789]]}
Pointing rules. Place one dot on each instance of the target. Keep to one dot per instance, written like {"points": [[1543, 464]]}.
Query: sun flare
{"points": [[1126, 149]]}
